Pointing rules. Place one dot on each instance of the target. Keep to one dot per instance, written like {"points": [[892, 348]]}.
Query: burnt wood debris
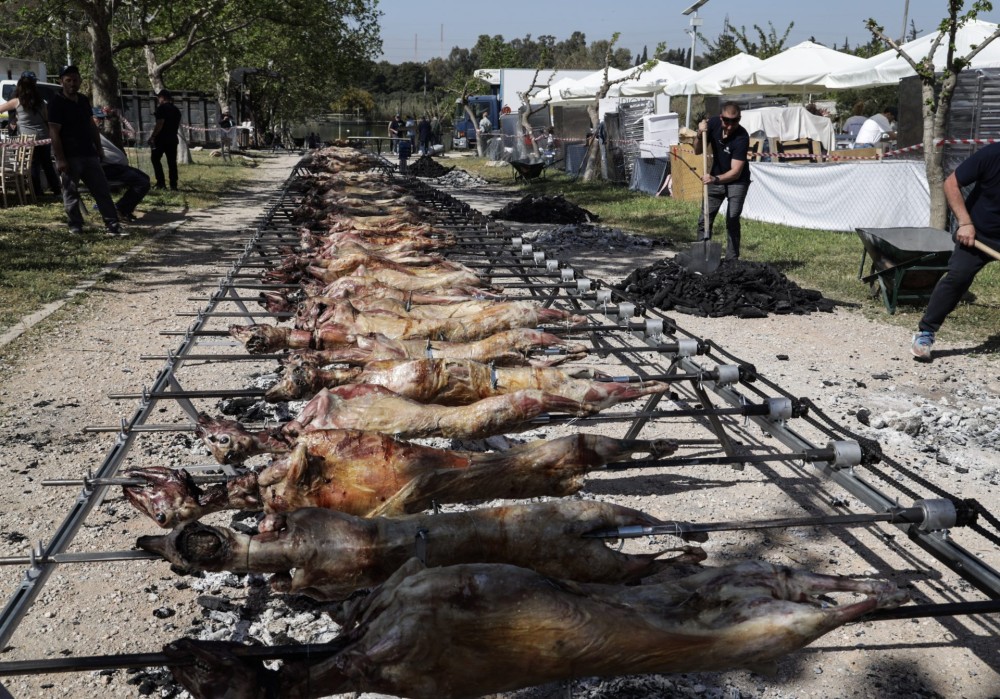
{"points": [[545, 209], [737, 288], [426, 166]]}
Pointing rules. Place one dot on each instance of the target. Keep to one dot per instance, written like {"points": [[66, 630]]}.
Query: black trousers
{"points": [[42, 162], [170, 151], [963, 266], [136, 184]]}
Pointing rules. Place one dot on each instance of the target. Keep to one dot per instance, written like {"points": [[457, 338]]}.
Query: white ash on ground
{"points": [[460, 179], [961, 431]]}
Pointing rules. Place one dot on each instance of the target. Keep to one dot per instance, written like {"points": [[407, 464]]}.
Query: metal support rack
{"points": [[709, 387]]}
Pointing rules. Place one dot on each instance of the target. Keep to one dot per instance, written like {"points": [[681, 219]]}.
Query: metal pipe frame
{"points": [[682, 366]]}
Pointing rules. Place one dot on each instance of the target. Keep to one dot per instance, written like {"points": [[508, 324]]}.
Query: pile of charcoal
{"points": [[737, 288], [461, 179], [587, 236], [426, 166], [545, 209]]}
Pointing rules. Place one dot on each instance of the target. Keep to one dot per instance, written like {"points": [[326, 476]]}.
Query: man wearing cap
{"points": [[76, 145], [117, 169], [164, 138]]}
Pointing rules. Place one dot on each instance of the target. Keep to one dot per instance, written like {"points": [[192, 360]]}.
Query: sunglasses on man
{"points": [[730, 120]]}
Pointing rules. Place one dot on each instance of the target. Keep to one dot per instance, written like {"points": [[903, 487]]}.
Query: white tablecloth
{"points": [[840, 196]]}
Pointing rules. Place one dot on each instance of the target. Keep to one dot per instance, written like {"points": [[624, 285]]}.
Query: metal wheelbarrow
{"points": [[527, 170], [906, 263]]}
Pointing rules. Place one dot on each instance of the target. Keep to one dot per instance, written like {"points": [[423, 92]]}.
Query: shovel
{"points": [[704, 256]]}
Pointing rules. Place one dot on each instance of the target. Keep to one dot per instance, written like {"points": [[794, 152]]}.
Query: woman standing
{"points": [[33, 120]]}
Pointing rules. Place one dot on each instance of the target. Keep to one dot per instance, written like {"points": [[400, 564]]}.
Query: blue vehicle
{"points": [[465, 130]]}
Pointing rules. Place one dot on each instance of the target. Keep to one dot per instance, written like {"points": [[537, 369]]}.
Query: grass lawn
{"points": [[815, 259], [40, 261]]}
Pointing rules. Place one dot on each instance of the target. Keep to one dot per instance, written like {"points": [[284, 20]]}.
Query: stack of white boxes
{"points": [[659, 132]]}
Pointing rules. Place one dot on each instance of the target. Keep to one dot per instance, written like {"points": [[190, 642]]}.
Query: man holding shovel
{"points": [[729, 178], [977, 239]]}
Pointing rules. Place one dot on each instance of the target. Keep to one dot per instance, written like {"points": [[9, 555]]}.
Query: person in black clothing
{"points": [[977, 218], [730, 175], [424, 135], [405, 149], [164, 139], [76, 145]]}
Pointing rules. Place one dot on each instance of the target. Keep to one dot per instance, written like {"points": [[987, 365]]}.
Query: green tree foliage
{"points": [[354, 100], [732, 41]]}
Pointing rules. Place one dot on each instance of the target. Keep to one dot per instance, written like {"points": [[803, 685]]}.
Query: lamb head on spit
{"points": [[329, 555], [368, 474]]}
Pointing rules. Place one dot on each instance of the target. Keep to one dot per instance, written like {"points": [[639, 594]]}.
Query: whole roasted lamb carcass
{"points": [[329, 555], [469, 630], [346, 323], [366, 474], [377, 409], [460, 382], [355, 288], [508, 348]]}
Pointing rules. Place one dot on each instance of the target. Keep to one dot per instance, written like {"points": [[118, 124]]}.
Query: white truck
{"points": [[11, 68], [506, 84]]}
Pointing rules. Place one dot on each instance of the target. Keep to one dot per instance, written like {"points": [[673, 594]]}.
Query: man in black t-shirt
{"points": [[164, 139], [76, 146], [729, 178], [977, 218]]}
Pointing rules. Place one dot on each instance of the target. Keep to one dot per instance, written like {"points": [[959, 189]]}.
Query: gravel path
{"points": [[940, 419]]}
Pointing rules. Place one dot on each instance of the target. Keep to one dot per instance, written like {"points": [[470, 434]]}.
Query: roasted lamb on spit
{"points": [[459, 381], [329, 555], [367, 474], [367, 407], [508, 348], [469, 630], [367, 289], [342, 323]]}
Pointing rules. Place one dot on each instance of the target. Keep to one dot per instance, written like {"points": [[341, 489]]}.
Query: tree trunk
{"points": [[480, 145], [527, 132], [105, 91], [934, 132], [593, 157]]}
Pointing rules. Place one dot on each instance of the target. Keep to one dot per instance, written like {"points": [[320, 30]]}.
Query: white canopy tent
{"points": [[801, 68], [888, 68], [587, 87], [706, 81], [652, 81], [553, 93]]}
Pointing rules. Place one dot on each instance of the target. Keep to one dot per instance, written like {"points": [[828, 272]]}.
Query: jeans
{"points": [[734, 194], [963, 266], [136, 185], [170, 151], [89, 170]]}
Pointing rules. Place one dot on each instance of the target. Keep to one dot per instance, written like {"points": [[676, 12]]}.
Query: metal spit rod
{"points": [[923, 513]]}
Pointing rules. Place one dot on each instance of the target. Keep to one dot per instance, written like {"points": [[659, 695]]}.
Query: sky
{"points": [[423, 29]]}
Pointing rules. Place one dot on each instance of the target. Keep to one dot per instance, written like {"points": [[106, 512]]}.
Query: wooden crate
{"points": [[686, 185]]}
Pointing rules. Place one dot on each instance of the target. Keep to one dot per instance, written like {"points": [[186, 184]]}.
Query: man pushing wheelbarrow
{"points": [[977, 239]]}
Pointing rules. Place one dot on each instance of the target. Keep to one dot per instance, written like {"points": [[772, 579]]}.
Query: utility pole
{"points": [[696, 22], [906, 12]]}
